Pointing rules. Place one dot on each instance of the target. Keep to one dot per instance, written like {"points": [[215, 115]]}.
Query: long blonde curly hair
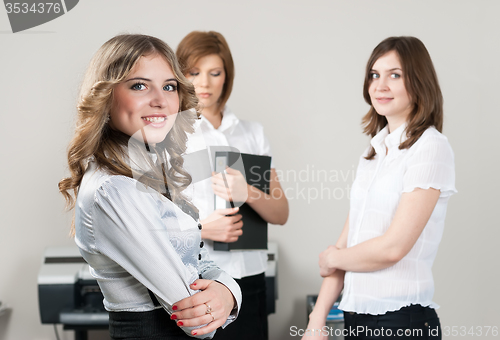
{"points": [[94, 138]]}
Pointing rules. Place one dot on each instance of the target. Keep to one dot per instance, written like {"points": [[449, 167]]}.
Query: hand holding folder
{"points": [[223, 225], [230, 185], [257, 172]]}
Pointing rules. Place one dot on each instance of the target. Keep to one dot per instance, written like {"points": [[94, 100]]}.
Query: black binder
{"points": [[257, 170]]}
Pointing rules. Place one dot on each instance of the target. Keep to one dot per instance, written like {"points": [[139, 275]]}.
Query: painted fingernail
{"points": [[194, 333], [194, 284], [180, 323], [173, 317], [174, 307]]}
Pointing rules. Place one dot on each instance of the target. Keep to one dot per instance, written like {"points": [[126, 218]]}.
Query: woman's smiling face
{"points": [[387, 89], [145, 105]]}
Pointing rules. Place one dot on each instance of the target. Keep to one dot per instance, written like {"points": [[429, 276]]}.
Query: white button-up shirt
{"points": [[246, 137], [375, 195]]}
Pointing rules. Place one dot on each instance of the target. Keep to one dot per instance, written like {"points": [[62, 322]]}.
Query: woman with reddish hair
{"points": [[206, 61]]}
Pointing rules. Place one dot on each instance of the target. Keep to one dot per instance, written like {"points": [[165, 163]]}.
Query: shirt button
{"points": [[201, 244], [199, 226], [199, 256], [352, 313]]}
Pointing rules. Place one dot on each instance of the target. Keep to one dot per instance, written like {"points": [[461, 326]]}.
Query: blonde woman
{"points": [[133, 226]]}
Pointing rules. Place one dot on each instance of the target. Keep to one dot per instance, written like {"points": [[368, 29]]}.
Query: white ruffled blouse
{"points": [[375, 195]]}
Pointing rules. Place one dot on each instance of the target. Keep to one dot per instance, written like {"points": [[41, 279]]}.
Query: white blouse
{"points": [[246, 137], [375, 195]]}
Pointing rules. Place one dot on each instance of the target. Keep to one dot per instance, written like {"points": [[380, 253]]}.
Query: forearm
{"points": [[380, 252], [273, 208], [223, 225], [208, 233], [328, 294], [332, 285], [372, 255], [226, 280], [209, 270]]}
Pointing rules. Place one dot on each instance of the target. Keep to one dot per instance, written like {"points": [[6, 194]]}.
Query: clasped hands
{"points": [[326, 261], [211, 306]]}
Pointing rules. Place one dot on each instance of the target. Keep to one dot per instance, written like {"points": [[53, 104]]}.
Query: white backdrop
{"points": [[299, 71]]}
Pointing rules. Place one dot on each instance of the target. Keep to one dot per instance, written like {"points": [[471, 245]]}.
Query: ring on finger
{"points": [[213, 318], [209, 309]]}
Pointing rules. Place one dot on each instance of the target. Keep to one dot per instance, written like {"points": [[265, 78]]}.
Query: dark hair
{"points": [[421, 83], [198, 44]]}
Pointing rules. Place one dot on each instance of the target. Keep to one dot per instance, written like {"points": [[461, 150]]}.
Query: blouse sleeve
{"points": [[210, 271], [128, 229], [431, 166], [262, 142]]}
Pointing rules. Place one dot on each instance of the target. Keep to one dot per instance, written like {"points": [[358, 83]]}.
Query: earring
{"points": [[108, 117]]}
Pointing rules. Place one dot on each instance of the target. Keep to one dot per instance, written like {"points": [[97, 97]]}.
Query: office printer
{"points": [[69, 295]]}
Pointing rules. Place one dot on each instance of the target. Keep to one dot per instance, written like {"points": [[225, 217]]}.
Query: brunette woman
{"points": [[384, 256]]}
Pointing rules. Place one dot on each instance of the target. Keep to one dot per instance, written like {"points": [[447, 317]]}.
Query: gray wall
{"points": [[299, 71]]}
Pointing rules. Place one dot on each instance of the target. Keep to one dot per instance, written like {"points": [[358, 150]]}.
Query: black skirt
{"points": [[251, 323], [410, 323], [152, 325]]}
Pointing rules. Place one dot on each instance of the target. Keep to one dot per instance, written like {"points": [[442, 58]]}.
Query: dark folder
{"points": [[257, 170]]}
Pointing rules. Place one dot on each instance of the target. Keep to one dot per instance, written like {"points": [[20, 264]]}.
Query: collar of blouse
{"points": [[385, 141]]}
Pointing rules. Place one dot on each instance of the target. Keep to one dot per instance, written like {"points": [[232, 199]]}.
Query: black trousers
{"points": [[152, 325], [251, 323], [410, 323]]}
